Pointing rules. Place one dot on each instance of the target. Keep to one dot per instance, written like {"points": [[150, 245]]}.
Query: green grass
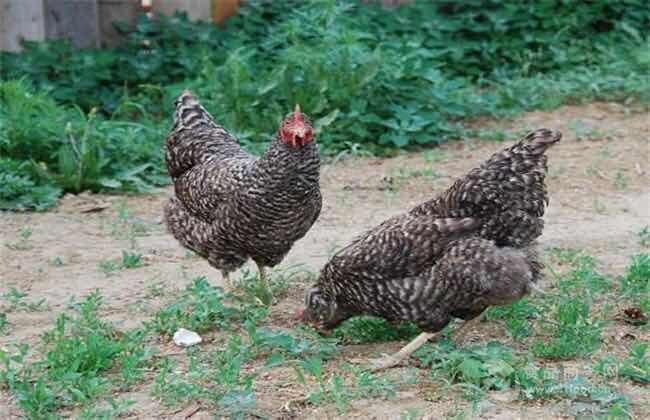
{"points": [[371, 329], [279, 281], [5, 325], [644, 236], [473, 370], [128, 260], [374, 82], [573, 329], [15, 300], [200, 307], [73, 368], [23, 244], [518, 317], [635, 368], [84, 363]]}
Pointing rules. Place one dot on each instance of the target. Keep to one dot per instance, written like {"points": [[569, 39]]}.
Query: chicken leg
{"points": [[226, 279], [406, 351], [265, 282]]}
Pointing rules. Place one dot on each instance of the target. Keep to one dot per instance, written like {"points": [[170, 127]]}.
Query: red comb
{"points": [[296, 113]]}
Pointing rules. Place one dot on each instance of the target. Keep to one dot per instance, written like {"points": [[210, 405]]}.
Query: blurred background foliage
{"points": [[374, 80]]}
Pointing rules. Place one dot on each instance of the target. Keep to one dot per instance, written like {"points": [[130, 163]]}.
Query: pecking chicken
{"points": [[230, 206], [451, 257]]}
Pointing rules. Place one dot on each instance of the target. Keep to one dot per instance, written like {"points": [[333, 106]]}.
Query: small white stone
{"points": [[186, 338]]}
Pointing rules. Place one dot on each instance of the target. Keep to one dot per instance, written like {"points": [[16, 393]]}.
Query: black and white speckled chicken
{"points": [[451, 257], [230, 206]]}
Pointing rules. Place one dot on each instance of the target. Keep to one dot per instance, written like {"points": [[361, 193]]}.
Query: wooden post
{"points": [[196, 9], [76, 20], [20, 20], [116, 10], [223, 9]]}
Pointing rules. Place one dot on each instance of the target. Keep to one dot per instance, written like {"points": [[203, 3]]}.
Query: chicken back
{"points": [[450, 257], [230, 206]]}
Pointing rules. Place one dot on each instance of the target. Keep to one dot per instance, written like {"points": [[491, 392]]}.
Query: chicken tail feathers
{"points": [[195, 137], [540, 140], [507, 192], [190, 113]]}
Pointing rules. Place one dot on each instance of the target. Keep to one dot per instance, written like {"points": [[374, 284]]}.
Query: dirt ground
{"points": [[600, 199]]}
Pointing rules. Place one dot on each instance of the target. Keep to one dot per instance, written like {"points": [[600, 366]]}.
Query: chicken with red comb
{"points": [[230, 206]]}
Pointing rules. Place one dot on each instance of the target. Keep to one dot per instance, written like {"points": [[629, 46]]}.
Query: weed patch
{"points": [[74, 368]]}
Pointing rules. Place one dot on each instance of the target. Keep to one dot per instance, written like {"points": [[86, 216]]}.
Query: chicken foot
{"points": [[390, 361]]}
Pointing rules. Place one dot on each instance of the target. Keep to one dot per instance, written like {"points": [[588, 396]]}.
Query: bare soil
{"points": [[600, 199]]}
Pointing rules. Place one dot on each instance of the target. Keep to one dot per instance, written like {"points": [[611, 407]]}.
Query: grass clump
{"points": [[518, 317], [215, 379], [200, 307], [84, 357], [368, 329], [473, 370], [636, 367], [338, 389], [49, 149], [636, 280], [129, 260], [16, 300], [574, 332], [580, 396]]}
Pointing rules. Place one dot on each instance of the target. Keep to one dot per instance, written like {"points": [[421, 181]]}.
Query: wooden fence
{"points": [[89, 23]]}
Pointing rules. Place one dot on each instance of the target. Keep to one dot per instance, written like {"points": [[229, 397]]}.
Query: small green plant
{"points": [[644, 236], [620, 181], [16, 300], [565, 255], [108, 267], [573, 332], [56, 261], [126, 226], [128, 260], [131, 259], [636, 280], [5, 326], [336, 390], [200, 307], [517, 317], [23, 244], [156, 289], [216, 379], [368, 329], [583, 131], [542, 384], [636, 367], [584, 277], [82, 355], [473, 370]]}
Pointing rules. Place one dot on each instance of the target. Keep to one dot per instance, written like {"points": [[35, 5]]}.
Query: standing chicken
{"points": [[450, 257], [231, 206]]}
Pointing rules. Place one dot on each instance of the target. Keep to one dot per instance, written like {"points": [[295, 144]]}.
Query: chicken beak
{"points": [[298, 136]]}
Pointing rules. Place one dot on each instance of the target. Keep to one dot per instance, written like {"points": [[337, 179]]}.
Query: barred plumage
{"points": [[231, 206], [450, 257]]}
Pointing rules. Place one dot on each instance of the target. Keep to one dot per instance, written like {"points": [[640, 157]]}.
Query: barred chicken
{"points": [[451, 257], [230, 206]]}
